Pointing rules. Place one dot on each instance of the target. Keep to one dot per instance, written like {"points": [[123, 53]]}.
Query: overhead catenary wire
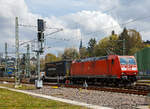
{"points": [[35, 26], [47, 35], [109, 10], [125, 23], [133, 20], [73, 39]]}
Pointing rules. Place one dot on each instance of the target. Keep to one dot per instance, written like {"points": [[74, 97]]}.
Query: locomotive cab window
{"points": [[132, 61], [127, 60]]}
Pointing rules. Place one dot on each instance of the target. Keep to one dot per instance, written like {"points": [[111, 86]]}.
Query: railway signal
{"points": [[41, 25], [40, 36], [6, 58]]}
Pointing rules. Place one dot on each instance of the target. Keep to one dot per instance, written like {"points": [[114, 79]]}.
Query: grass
{"points": [[147, 84], [15, 100], [23, 87], [144, 81]]}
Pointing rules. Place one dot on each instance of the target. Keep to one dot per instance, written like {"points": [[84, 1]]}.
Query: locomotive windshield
{"points": [[127, 60]]}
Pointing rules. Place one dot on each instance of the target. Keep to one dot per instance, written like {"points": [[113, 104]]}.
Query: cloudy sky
{"points": [[80, 19]]}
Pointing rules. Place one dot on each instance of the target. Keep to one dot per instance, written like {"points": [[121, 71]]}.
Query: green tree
{"points": [[83, 52], [107, 45], [100, 48], [50, 58], [123, 37], [33, 64], [91, 46], [70, 53], [112, 44], [42, 64], [133, 42]]}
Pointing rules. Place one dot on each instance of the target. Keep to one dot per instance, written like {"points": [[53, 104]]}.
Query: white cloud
{"points": [[74, 25], [104, 5], [91, 22]]}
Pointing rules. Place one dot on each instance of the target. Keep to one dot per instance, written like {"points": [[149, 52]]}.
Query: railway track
{"points": [[137, 89]]}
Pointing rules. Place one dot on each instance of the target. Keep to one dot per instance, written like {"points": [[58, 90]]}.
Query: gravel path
{"points": [[107, 99]]}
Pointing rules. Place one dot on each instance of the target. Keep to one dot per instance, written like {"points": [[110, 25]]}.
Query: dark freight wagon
{"points": [[59, 68], [2, 70], [143, 61]]}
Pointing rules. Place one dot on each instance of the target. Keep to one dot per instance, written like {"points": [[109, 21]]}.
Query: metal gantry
{"points": [[17, 73], [6, 58], [124, 47], [40, 41], [27, 63]]}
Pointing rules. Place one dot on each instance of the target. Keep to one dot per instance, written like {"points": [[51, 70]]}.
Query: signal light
{"points": [[41, 25], [40, 36]]}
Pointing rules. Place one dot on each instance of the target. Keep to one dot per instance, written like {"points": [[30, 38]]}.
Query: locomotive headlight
{"points": [[123, 68], [134, 68], [122, 73]]}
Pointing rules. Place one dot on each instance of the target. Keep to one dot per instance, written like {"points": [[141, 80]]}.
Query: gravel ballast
{"points": [[101, 98]]}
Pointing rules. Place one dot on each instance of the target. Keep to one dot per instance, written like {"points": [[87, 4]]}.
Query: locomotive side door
{"points": [[111, 62]]}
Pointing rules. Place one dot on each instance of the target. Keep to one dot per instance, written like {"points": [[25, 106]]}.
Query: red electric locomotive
{"points": [[112, 68]]}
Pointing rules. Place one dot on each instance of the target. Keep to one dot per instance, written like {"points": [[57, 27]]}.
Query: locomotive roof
{"points": [[62, 61], [92, 59]]}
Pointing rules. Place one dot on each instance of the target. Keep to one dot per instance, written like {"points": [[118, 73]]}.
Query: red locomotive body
{"points": [[108, 67]]}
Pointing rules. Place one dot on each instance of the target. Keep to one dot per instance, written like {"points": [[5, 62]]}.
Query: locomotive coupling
{"points": [[124, 77]]}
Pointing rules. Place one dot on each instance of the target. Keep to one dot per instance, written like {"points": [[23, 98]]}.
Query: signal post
{"points": [[40, 36]]}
